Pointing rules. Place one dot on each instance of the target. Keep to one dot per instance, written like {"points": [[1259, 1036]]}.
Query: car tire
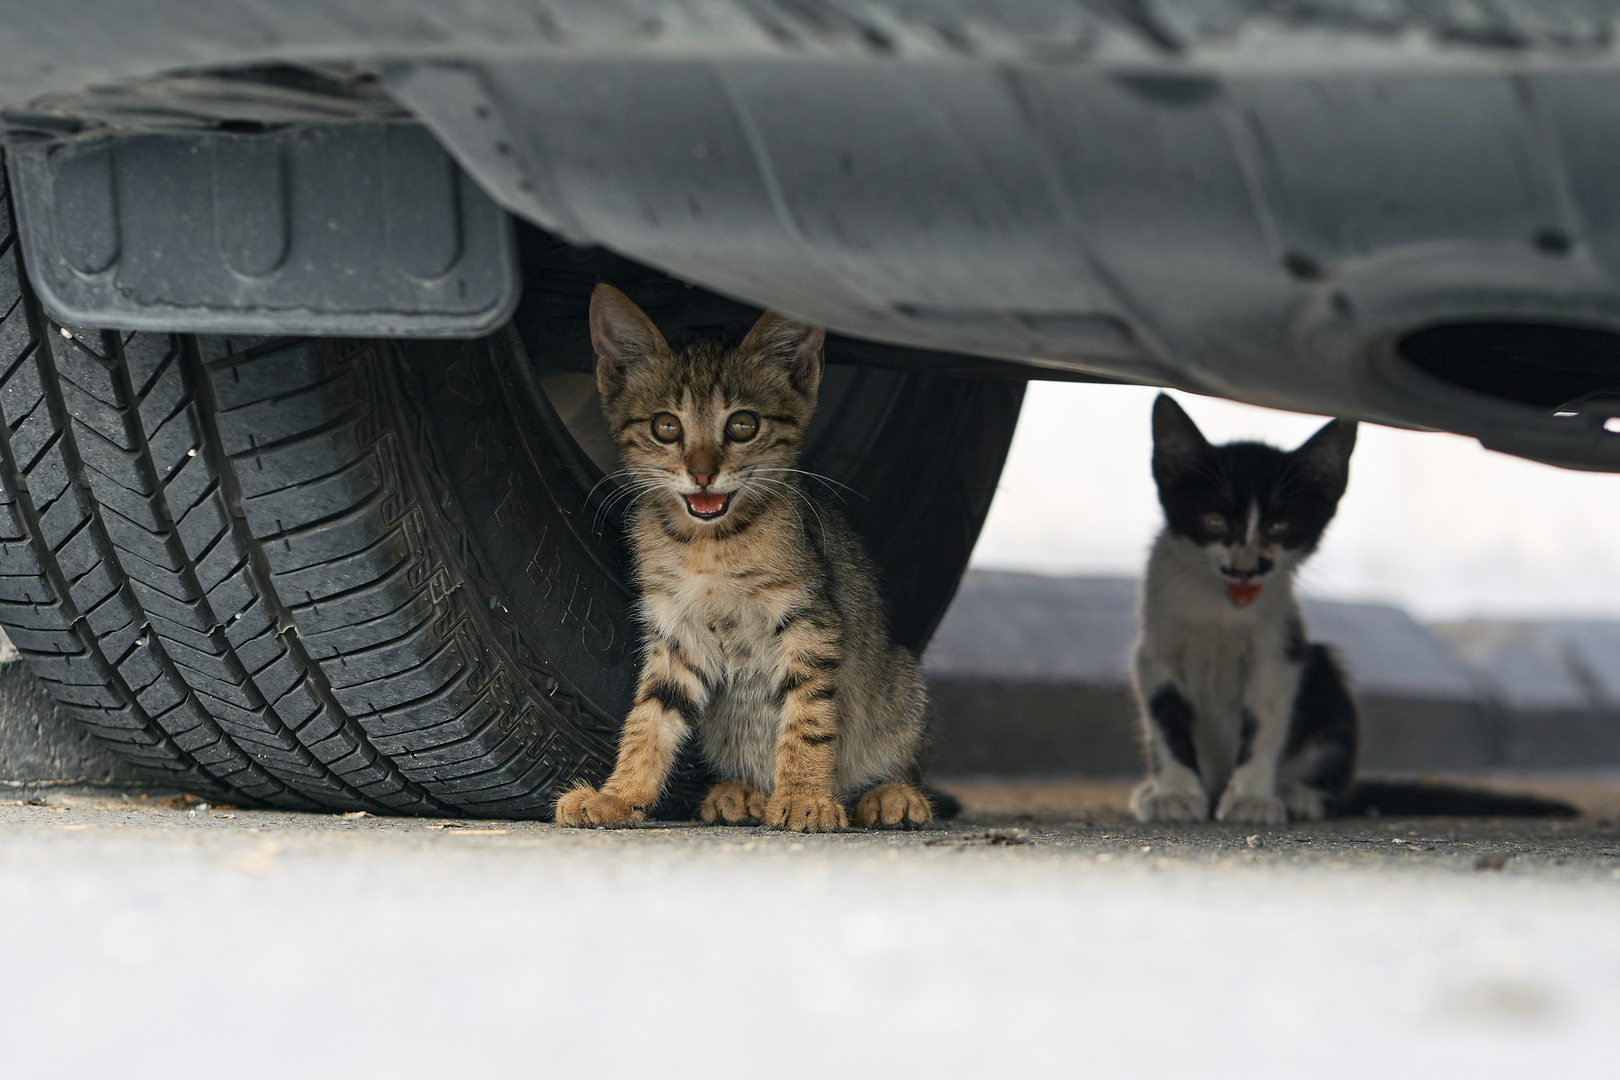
{"points": [[383, 575]]}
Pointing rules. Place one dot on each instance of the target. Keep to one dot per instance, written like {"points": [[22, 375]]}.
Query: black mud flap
{"points": [[354, 229]]}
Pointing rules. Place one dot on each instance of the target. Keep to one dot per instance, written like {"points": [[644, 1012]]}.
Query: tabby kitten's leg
{"points": [[806, 747], [669, 700], [1173, 790], [733, 802], [894, 805], [1251, 795]]}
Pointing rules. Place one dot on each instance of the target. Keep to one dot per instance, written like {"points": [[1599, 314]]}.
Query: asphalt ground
{"points": [[1044, 932]]}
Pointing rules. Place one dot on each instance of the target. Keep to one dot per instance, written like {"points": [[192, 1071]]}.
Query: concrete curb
{"points": [[1028, 676]]}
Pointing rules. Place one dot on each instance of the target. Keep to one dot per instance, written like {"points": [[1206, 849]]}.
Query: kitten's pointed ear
{"points": [[621, 335], [1326, 455], [798, 345], [1177, 442]]}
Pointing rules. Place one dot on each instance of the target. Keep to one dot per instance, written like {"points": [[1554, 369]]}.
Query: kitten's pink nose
{"points": [[702, 479]]}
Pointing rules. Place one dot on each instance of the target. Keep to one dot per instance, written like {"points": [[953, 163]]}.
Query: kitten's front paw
{"points": [[893, 806], [584, 807], [1148, 803], [733, 802], [805, 811], [1304, 802], [1252, 809]]}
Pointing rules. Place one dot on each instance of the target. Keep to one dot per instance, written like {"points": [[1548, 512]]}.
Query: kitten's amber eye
{"points": [[742, 426], [1277, 528], [1215, 523], [665, 427]]}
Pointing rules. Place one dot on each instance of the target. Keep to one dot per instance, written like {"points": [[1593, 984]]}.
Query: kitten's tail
{"points": [[945, 805], [1410, 798]]}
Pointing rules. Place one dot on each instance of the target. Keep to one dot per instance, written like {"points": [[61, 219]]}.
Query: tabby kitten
{"points": [[763, 627], [1235, 703]]}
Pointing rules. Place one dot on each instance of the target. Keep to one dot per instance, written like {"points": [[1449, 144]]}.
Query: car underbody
{"points": [[1264, 202]]}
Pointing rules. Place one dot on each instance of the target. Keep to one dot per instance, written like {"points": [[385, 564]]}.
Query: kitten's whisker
{"points": [[606, 479], [637, 476], [627, 491], [607, 505], [819, 476], [619, 492], [822, 525], [638, 497], [636, 489]]}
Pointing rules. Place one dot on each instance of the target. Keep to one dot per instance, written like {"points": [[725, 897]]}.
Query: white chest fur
{"points": [[726, 627], [723, 624], [1221, 658]]}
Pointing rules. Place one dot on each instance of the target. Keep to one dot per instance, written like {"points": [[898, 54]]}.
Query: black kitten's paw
{"points": [[1252, 810], [1149, 803], [1304, 803]]}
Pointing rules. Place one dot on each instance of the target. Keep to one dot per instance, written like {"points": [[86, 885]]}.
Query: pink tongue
{"points": [[707, 502], [1241, 595]]}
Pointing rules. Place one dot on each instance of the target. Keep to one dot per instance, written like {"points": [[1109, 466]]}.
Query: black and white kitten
{"points": [[1236, 705]]}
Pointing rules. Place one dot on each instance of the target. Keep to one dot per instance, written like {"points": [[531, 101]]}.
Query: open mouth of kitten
{"points": [[1242, 594], [707, 505]]}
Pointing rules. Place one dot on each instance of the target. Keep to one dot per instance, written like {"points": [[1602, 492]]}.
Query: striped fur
{"points": [[764, 632]]}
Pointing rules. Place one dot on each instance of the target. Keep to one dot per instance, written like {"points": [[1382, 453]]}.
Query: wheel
{"points": [[384, 576]]}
